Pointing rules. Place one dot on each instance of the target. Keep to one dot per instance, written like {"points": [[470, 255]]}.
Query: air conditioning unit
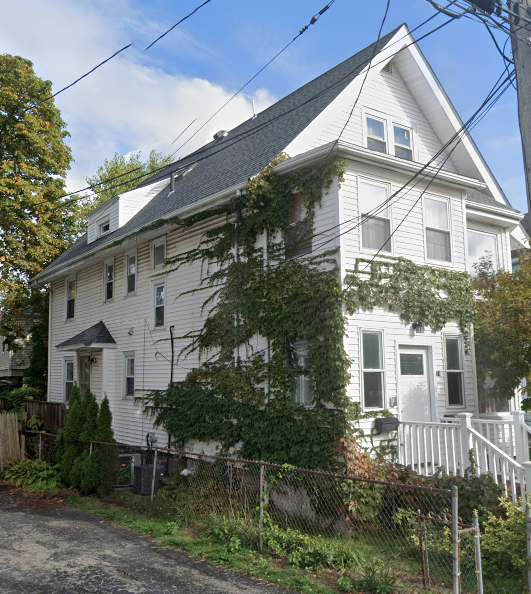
{"points": [[127, 468], [144, 478]]}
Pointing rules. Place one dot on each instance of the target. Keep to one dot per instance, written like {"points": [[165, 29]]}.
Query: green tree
{"points": [[503, 327], [36, 222], [128, 171], [106, 456]]}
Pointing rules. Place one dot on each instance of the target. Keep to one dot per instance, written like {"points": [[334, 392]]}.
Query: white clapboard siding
{"points": [[387, 96]]}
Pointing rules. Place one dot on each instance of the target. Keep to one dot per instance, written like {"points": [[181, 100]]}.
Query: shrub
{"points": [[18, 396], [32, 475], [108, 461], [503, 545]]}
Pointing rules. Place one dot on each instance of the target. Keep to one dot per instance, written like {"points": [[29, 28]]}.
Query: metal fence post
{"points": [[90, 449], [40, 446], [261, 520], [455, 541], [153, 482], [528, 532], [477, 550]]}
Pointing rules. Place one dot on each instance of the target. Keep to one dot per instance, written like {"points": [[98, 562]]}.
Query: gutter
{"points": [[382, 160]]}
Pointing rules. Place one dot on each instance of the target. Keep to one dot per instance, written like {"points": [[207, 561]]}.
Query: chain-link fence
{"points": [[41, 445], [362, 531]]}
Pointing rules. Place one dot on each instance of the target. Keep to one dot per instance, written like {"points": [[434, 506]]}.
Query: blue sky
{"points": [[144, 99]]}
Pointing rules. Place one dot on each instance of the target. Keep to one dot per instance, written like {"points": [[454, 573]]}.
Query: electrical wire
{"points": [[312, 21], [177, 24], [195, 156]]}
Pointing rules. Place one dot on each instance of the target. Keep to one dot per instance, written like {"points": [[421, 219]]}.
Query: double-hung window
{"points": [[372, 370], [374, 208], [482, 252], [129, 368], [158, 249], [68, 378], [403, 142], [130, 273], [376, 135], [159, 304], [301, 392], [437, 222], [454, 371], [298, 233], [70, 298], [108, 281]]}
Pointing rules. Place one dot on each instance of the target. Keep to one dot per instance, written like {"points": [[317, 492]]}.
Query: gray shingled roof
{"points": [[97, 334], [246, 149], [480, 198]]}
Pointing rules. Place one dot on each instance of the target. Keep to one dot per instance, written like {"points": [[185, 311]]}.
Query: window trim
{"points": [[126, 356], [387, 185], [156, 283], [154, 244], [486, 230], [410, 148], [68, 280], [127, 255], [66, 361], [107, 263], [300, 223], [101, 224], [300, 349], [386, 132], [459, 338], [389, 122], [383, 371], [449, 230]]}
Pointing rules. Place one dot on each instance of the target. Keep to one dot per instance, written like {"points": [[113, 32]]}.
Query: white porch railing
{"points": [[506, 472], [499, 450], [428, 447]]}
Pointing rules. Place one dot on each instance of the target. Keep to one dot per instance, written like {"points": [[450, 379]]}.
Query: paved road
{"points": [[50, 548]]}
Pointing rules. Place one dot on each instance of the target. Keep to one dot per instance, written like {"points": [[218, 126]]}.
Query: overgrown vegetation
{"points": [[260, 291]]}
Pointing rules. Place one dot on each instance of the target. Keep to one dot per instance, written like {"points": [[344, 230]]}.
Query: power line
{"points": [[195, 157], [312, 21], [177, 24]]}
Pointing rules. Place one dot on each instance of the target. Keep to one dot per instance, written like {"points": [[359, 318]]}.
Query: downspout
{"points": [[48, 374]]}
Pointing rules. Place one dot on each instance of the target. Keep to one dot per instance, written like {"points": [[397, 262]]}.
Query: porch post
{"points": [[527, 477], [465, 421], [521, 444]]}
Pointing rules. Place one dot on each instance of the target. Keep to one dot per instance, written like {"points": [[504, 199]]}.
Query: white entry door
{"points": [[84, 374], [414, 385]]}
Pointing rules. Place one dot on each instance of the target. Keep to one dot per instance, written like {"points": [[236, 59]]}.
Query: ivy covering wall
{"points": [[240, 395]]}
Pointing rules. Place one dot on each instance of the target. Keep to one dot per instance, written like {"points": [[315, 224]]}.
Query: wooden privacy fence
{"points": [[9, 440], [52, 413]]}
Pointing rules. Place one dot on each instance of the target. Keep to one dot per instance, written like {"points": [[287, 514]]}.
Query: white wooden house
{"points": [[110, 309]]}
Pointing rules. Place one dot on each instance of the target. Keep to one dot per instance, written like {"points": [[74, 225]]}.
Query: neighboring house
{"points": [[14, 359], [111, 311]]}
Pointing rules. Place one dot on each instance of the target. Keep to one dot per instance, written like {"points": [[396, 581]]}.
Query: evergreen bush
{"points": [[106, 456]]}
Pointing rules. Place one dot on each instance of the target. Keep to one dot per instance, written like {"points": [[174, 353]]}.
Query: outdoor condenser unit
{"points": [[144, 478]]}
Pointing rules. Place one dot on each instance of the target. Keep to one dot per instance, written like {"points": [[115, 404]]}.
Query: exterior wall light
{"points": [[418, 327]]}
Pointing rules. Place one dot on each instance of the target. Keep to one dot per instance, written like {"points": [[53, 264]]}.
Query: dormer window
{"points": [[105, 227]]}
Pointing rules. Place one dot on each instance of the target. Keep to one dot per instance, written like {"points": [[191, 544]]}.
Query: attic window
{"points": [[105, 227]]}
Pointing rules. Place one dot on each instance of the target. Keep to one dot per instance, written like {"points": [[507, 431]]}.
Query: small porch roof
{"points": [[96, 336]]}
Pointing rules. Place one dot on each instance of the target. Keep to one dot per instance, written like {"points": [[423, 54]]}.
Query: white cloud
{"points": [[130, 103]]}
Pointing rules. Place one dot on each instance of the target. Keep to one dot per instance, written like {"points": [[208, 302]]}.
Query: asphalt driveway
{"points": [[50, 548]]}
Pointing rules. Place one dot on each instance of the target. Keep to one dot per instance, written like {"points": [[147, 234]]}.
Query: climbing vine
{"points": [[433, 296], [241, 394]]}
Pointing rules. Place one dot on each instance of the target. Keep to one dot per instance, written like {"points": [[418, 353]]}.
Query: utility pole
{"points": [[521, 45]]}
